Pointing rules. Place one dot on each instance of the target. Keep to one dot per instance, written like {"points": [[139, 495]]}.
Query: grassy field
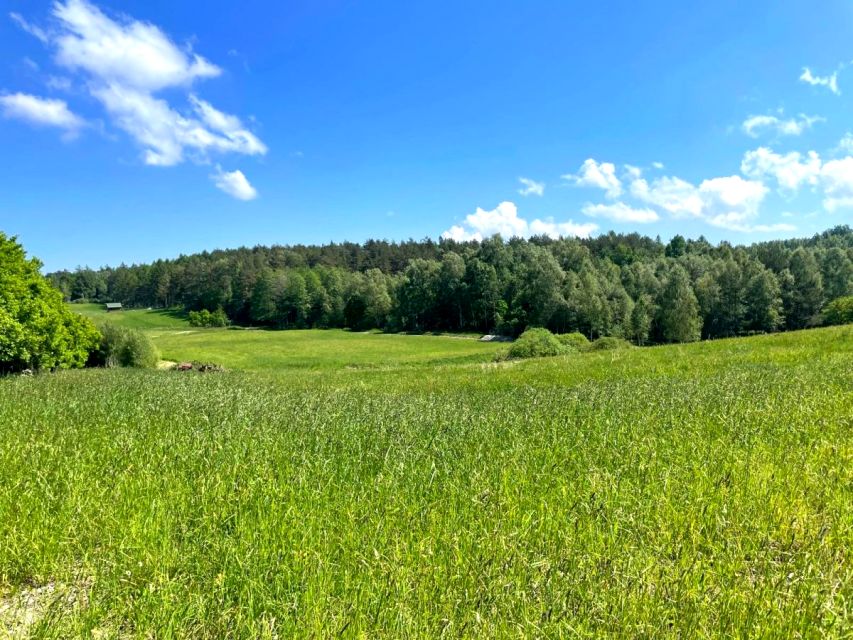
{"points": [[355, 485], [144, 319]]}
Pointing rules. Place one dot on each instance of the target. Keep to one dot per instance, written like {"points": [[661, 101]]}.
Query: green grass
{"points": [[134, 318], [259, 350], [681, 491]]}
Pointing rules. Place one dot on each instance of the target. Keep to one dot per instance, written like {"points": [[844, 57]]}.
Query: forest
{"points": [[622, 285]]}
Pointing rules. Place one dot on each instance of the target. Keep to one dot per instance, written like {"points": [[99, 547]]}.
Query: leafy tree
{"points": [[678, 310], [805, 293], [641, 319], [764, 310], [37, 330], [839, 311], [837, 273]]}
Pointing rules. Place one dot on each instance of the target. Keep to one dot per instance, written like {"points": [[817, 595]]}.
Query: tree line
{"points": [[622, 285]]}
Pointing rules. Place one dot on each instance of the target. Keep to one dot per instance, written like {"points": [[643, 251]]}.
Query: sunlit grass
{"points": [[685, 491]]}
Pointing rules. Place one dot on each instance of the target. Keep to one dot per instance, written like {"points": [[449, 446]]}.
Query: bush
{"points": [[536, 343], [609, 344], [124, 347], [576, 341], [205, 318], [37, 330], [839, 311]]}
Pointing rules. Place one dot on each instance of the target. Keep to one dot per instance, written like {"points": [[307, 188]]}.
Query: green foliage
{"points": [[124, 347], [609, 343], [684, 491], [536, 343], [839, 311], [679, 310], [575, 341], [37, 330], [611, 285], [205, 318]]}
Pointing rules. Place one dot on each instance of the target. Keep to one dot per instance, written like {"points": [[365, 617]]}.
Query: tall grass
{"points": [[694, 491]]}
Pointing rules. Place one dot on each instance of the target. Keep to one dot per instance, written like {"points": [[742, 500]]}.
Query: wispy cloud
{"points": [[754, 126], [41, 112], [32, 29], [531, 187], [620, 212], [830, 81]]}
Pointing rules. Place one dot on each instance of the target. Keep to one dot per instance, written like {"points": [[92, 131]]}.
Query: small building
{"points": [[113, 306]]}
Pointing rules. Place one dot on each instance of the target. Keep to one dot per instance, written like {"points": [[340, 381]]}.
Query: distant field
{"points": [[258, 350], [136, 318], [408, 487]]}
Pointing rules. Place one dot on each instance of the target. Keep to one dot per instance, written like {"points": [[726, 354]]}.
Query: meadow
{"points": [[336, 484]]}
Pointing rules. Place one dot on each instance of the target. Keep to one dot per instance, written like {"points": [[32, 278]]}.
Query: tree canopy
{"points": [[621, 285], [37, 330]]}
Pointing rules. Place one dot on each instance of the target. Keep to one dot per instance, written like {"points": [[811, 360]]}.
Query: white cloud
{"points": [[620, 212], [40, 111], [32, 29], [234, 183], [791, 171], [531, 187], [830, 82], [127, 62], [732, 202], [658, 165], [846, 143], [677, 197], [135, 54], [601, 176], [837, 182], [754, 126], [632, 172], [504, 220]]}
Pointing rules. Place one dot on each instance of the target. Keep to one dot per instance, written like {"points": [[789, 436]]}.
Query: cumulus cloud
{"points": [[830, 82], [677, 197], [620, 212], [504, 220], [791, 171], [837, 181], [40, 111], [730, 202], [754, 126], [126, 63], [601, 176], [234, 183], [531, 187], [134, 54]]}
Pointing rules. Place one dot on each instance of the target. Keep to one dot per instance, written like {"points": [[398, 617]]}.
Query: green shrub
{"points": [[536, 343], [205, 318], [124, 347], [839, 311], [37, 330], [608, 343], [576, 341]]}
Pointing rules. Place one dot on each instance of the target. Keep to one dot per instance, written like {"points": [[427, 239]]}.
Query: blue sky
{"points": [[136, 130]]}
